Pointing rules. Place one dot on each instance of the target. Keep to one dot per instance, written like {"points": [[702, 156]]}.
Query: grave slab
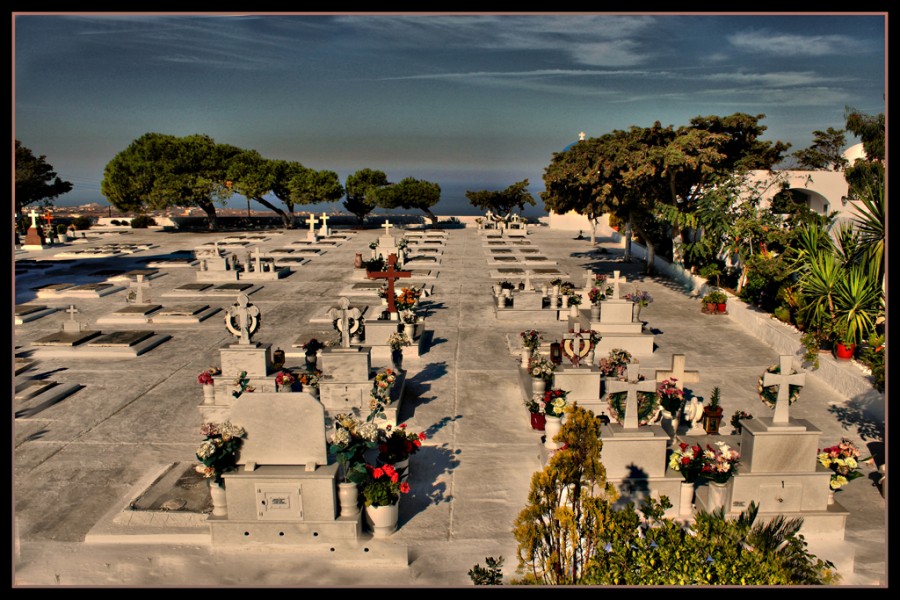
{"points": [[25, 313]]}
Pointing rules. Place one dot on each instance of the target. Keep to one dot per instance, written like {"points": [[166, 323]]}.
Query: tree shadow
{"points": [[426, 467], [865, 413], [633, 488]]}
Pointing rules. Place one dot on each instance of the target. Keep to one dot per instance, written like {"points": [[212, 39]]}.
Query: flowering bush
{"points": [[206, 377], [555, 402], [531, 339], [670, 397], [541, 367], [720, 464], [383, 486], [736, 418], [615, 364], [313, 346], [843, 460], [687, 460], [769, 395], [397, 340], [284, 380], [349, 441], [218, 450], [396, 444], [639, 297]]}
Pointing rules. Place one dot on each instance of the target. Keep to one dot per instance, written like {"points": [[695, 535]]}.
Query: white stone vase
{"points": [[382, 520], [217, 492], [552, 426], [685, 506], [410, 330], [209, 394], [595, 312], [573, 310], [526, 357], [830, 497], [348, 493], [637, 311], [538, 386], [719, 496]]}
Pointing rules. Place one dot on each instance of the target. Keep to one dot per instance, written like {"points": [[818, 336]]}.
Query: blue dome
{"points": [[569, 146]]}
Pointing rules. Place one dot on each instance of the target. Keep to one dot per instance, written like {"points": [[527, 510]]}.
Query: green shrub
{"points": [[492, 575], [115, 222], [783, 313], [142, 222], [82, 222]]}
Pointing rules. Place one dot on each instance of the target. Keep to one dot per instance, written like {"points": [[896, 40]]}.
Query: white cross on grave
{"points": [[71, 324], [138, 286], [616, 282], [575, 345], [344, 315], [581, 136], [784, 380], [34, 217], [528, 287], [631, 388], [257, 266], [242, 318], [387, 227], [678, 373], [588, 280], [324, 229], [311, 221]]}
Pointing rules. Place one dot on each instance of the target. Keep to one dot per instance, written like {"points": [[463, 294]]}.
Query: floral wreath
{"points": [[647, 403], [568, 347], [769, 395]]}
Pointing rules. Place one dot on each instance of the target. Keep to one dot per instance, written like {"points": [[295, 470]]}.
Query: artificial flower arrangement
{"points": [[555, 402], [597, 295], [382, 384], [382, 292], [769, 395], [720, 464], [647, 405], [687, 460], [409, 317], [594, 337], [556, 282], [396, 444], [313, 346], [615, 364], [206, 377], [284, 380], [531, 339], [383, 487], [566, 288], [843, 460], [670, 397], [736, 418], [242, 382], [574, 299], [350, 440], [397, 340], [310, 378], [639, 297], [541, 367], [373, 245], [407, 298], [218, 450], [534, 406]]}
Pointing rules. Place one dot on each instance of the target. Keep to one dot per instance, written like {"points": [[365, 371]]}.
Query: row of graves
{"points": [[496, 225], [660, 440]]}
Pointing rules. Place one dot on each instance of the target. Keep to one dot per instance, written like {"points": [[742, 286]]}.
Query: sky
{"points": [[468, 101]]}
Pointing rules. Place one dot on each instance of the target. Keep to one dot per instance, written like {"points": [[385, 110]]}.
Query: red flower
{"points": [[377, 472], [404, 488], [421, 436]]}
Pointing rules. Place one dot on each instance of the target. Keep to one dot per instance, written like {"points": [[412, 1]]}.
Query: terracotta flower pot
{"points": [[711, 307], [721, 307]]}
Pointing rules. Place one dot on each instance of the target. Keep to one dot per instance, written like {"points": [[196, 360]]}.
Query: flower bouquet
{"points": [[615, 364], [396, 444], [687, 460], [769, 395], [383, 487], [383, 382], [531, 339], [407, 298], [310, 378], [541, 367], [555, 402], [349, 442], [284, 381], [397, 340], [670, 397], [639, 297], [736, 418], [574, 300], [597, 295], [720, 464], [242, 382], [206, 377], [219, 449], [843, 460]]}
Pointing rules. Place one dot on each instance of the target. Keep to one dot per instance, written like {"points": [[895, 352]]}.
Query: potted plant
{"points": [[396, 445], [710, 303], [536, 413], [350, 440], [844, 345], [712, 413], [381, 492]]}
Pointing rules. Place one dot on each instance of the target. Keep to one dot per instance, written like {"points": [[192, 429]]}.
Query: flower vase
{"points": [[573, 310], [217, 493], [382, 520], [397, 359], [719, 496], [209, 394], [526, 356], [637, 311], [830, 497], [311, 361], [552, 426], [685, 506], [538, 386], [538, 421], [410, 330], [595, 312], [348, 493]]}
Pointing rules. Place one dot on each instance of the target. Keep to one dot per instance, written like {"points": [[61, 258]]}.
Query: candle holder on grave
{"points": [[712, 418], [278, 358], [556, 353]]}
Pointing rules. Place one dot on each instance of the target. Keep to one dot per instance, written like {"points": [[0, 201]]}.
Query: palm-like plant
{"points": [[858, 302]]}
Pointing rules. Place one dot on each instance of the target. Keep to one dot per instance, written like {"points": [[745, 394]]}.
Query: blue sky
{"points": [[470, 102]]}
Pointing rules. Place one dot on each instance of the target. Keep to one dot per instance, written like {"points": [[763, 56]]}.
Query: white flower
{"points": [[340, 437], [206, 450], [368, 432]]}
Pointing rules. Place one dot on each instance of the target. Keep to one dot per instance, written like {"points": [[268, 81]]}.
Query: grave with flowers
{"points": [[618, 326], [578, 373]]}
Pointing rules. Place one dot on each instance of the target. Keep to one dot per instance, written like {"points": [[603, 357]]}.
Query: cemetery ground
{"points": [[79, 459]]}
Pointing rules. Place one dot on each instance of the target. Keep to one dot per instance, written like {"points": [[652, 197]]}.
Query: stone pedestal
{"points": [[768, 448], [619, 329], [582, 383], [634, 453], [254, 358]]}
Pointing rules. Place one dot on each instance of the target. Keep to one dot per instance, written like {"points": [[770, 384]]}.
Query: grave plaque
{"points": [[119, 339], [183, 310], [233, 287], [66, 338], [23, 310], [511, 271], [194, 287], [138, 309], [53, 287], [91, 287]]}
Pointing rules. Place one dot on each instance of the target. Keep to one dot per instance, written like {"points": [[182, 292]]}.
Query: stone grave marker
{"points": [[117, 339], [631, 387]]}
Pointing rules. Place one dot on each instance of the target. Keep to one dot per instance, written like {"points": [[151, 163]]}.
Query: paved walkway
{"points": [[78, 460]]}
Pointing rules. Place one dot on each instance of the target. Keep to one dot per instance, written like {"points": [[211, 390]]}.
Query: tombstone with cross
{"points": [[242, 319], [311, 221], [387, 243], [678, 376], [576, 347], [631, 386], [138, 290], [71, 325], [324, 231], [346, 320], [391, 275], [784, 379], [33, 238]]}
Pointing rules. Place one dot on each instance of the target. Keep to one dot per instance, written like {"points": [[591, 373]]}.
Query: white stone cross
{"points": [[247, 317], [581, 136], [343, 315], [576, 345], [71, 324], [387, 227], [616, 281], [527, 280], [72, 311], [588, 280], [784, 380], [34, 217], [311, 221], [631, 388], [324, 230], [678, 373], [138, 286], [257, 266]]}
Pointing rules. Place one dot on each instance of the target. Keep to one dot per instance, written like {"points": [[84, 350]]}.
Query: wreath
{"points": [[648, 406], [769, 394]]}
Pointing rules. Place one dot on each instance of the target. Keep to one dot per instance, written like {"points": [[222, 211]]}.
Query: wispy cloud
{"points": [[793, 44], [777, 79]]}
